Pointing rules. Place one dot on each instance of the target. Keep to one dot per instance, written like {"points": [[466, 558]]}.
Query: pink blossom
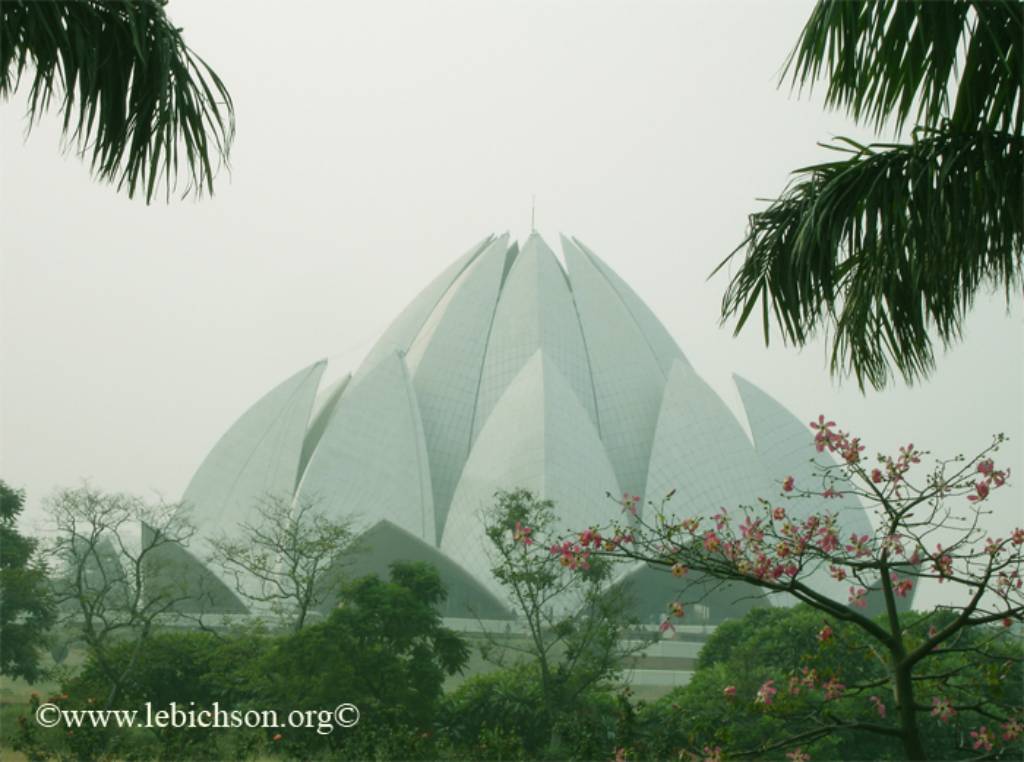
{"points": [[729, 691], [943, 563], [823, 437], [876, 475], [794, 686], [810, 677], [711, 541], [798, 755], [981, 488], [833, 689], [985, 467], [712, 754], [900, 587], [982, 738], [894, 544], [1012, 729], [1017, 538], [751, 530], [830, 492], [857, 597], [788, 483], [829, 541], [879, 706], [630, 503], [780, 513], [852, 451], [766, 693], [858, 545], [690, 525], [942, 708], [825, 634], [522, 534], [909, 455], [820, 424], [666, 626], [837, 572], [678, 570], [677, 609]]}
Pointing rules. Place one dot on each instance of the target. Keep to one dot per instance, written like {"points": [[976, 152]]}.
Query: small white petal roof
{"points": [[257, 457], [371, 460], [701, 451]]}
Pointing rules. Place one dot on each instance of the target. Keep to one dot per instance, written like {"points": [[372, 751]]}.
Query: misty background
{"points": [[377, 142]]}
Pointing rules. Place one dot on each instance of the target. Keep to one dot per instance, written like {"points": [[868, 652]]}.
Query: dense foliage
{"points": [[383, 649], [26, 607]]}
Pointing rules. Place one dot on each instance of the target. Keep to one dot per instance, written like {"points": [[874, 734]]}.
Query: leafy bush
{"points": [[501, 715]]}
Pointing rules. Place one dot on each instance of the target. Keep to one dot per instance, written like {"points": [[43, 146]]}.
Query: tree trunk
{"points": [[911, 735]]}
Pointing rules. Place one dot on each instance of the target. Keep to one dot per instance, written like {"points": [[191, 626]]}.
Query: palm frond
{"points": [[900, 59], [884, 246], [136, 101]]}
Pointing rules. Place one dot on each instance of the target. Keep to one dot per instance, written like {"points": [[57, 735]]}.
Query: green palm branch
{"points": [[137, 102], [893, 242]]}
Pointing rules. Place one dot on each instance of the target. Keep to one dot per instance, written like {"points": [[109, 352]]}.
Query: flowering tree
{"points": [[929, 526], [794, 657], [574, 622]]}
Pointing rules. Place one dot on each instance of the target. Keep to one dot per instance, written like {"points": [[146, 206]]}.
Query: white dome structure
{"points": [[508, 370]]}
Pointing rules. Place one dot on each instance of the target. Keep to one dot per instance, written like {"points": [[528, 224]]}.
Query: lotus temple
{"points": [[512, 368]]}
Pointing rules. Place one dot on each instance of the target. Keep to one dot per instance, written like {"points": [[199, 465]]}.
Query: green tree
{"points": [[575, 627], [26, 606], [384, 649], [503, 715], [892, 241], [136, 101], [169, 667]]}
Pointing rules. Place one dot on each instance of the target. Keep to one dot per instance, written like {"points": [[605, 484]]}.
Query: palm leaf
{"points": [[896, 60], [886, 246], [133, 96]]}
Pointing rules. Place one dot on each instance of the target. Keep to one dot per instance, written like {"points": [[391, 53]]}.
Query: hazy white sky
{"points": [[376, 142]]}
